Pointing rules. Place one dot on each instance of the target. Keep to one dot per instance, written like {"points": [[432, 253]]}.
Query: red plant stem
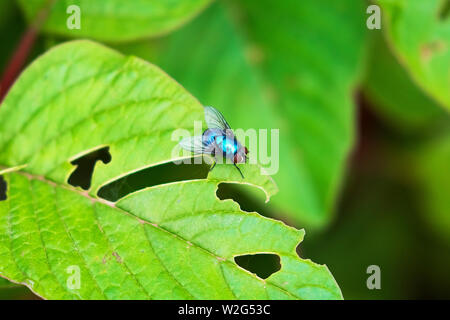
{"points": [[22, 51], [17, 61]]}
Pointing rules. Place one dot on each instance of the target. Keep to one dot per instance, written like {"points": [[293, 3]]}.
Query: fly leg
{"points": [[213, 153], [239, 170], [215, 162]]}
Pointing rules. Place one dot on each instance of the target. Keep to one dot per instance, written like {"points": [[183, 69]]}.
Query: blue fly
{"points": [[218, 140]]}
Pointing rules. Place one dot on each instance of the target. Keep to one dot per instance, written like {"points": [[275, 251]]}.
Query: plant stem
{"points": [[22, 51], [17, 61]]}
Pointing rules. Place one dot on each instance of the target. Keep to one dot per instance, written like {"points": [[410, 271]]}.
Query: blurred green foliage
{"points": [[296, 66], [395, 96], [11, 20], [115, 20], [419, 33], [433, 175], [9, 290]]}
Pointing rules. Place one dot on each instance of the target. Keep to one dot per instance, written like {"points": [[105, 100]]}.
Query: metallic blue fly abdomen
{"points": [[227, 145]]}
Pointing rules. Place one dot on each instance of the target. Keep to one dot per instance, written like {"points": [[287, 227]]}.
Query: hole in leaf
{"points": [[82, 175], [160, 174], [3, 189], [261, 264], [250, 199], [444, 10]]}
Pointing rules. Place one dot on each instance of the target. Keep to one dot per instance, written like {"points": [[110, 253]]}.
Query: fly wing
{"points": [[215, 120], [195, 144]]}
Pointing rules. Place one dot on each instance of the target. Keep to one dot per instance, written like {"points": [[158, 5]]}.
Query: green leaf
{"points": [[419, 32], [116, 20], [171, 241], [396, 97], [283, 66]]}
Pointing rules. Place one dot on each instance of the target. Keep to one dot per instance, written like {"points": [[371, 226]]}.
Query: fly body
{"points": [[218, 140]]}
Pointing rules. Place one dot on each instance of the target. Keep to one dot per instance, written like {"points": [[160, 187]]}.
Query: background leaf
{"points": [[116, 20], [419, 31], [397, 98], [170, 241]]}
